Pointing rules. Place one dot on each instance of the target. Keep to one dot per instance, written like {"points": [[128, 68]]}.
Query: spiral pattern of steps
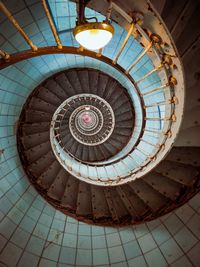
{"points": [[168, 186]]}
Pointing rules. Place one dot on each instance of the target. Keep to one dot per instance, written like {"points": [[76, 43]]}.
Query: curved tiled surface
{"points": [[32, 233]]}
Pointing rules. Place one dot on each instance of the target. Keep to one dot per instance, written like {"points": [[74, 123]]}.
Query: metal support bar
{"points": [[17, 26], [99, 52], [134, 159], [149, 73], [109, 10], [53, 29], [142, 151], [154, 119], [4, 55], [124, 43], [152, 131], [155, 89], [159, 104], [171, 118], [125, 166], [154, 145], [140, 57]]}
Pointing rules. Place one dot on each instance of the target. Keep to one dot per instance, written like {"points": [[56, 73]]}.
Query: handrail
{"points": [[153, 42]]}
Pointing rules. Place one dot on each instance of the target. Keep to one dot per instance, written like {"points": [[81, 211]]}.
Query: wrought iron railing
{"points": [[160, 119]]}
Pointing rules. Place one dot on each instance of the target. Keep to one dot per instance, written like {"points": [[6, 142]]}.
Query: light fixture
{"points": [[93, 35]]}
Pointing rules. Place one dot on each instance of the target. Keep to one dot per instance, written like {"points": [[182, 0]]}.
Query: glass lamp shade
{"points": [[93, 36]]}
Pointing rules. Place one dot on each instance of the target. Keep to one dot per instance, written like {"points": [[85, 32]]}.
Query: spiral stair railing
{"points": [[160, 102], [164, 67], [121, 166]]}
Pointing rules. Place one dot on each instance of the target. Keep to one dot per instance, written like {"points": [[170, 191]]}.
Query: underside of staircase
{"points": [[175, 180]]}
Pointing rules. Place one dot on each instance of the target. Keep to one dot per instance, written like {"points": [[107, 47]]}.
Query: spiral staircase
{"points": [[92, 145], [106, 137], [153, 195]]}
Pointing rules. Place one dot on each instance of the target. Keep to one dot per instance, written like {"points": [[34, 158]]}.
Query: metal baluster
{"points": [[4, 55], [53, 29], [124, 43]]}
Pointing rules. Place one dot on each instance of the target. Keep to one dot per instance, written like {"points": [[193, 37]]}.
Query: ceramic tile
{"points": [[113, 240], [84, 242], [100, 257], [140, 230], [137, 262], [127, 235], [67, 255], [147, 243], [58, 225], [185, 213], [160, 234], [193, 254], [185, 243], [20, 237], [47, 263], [171, 251], [51, 251], [10, 254], [3, 242], [194, 225], [155, 258], [84, 230], [132, 249], [71, 228], [55, 236], [27, 224], [116, 254], [98, 242], [70, 240], [84, 257], [28, 258], [173, 224], [41, 231], [7, 227], [35, 245], [183, 261], [120, 264], [97, 230], [195, 202]]}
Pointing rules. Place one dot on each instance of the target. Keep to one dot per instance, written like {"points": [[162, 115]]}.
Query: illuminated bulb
{"points": [[93, 36]]}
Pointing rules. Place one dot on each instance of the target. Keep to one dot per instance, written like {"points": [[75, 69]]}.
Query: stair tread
{"points": [[181, 173], [34, 139], [57, 188], [164, 185], [99, 204], [65, 84], [47, 177], [34, 128], [69, 199], [150, 196], [84, 205], [48, 96], [54, 87]]}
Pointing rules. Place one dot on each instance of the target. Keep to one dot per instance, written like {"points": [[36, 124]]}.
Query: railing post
{"points": [[53, 29], [4, 55]]}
